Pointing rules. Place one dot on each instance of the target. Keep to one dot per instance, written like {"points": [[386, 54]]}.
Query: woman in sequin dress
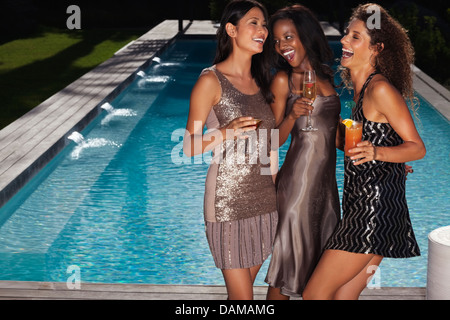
{"points": [[240, 199], [376, 220], [307, 193]]}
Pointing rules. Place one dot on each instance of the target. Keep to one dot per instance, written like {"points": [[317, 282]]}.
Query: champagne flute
{"points": [[258, 123], [309, 91]]}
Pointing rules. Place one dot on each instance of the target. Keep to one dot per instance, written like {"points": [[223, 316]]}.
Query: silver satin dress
{"points": [[307, 198]]}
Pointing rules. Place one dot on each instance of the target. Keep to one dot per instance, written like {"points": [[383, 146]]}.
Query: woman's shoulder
{"points": [[383, 98], [208, 85], [208, 71], [281, 78], [209, 76], [280, 83], [380, 89]]}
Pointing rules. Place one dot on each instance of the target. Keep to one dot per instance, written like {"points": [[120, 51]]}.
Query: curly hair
{"points": [[395, 59]]}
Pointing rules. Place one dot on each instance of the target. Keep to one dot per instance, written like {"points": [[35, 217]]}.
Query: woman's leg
{"points": [[275, 294], [254, 272], [239, 282], [352, 290], [335, 269]]}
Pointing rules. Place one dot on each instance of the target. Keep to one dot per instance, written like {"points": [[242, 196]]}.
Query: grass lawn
{"points": [[33, 69]]}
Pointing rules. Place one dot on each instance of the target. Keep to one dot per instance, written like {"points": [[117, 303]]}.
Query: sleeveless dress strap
{"points": [[361, 95]]}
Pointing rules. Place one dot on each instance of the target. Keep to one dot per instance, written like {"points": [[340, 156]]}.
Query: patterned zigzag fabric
{"points": [[375, 213]]}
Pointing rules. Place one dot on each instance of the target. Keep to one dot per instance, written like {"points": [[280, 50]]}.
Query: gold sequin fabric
{"points": [[240, 176]]}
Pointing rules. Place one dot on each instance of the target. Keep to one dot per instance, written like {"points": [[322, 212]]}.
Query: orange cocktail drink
{"points": [[353, 135]]}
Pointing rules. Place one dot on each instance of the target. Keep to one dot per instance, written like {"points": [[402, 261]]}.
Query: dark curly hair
{"points": [[395, 59]]}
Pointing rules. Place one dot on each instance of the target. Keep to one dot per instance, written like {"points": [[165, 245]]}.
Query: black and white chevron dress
{"points": [[375, 214]]}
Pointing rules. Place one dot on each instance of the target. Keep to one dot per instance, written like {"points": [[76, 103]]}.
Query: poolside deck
{"points": [[29, 143], [13, 290]]}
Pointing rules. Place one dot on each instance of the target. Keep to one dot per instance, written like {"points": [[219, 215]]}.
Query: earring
{"points": [[374, 65]]}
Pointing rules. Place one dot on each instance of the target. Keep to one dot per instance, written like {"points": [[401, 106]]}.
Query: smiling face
{"points": [[288, 44], [356, 47], [251, 31]]}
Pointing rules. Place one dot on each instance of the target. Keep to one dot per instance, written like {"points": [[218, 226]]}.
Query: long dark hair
{"points": [[312, 37], [233, 13]]}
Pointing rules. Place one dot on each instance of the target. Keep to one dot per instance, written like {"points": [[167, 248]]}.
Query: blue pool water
{"points": [[125, 206]]}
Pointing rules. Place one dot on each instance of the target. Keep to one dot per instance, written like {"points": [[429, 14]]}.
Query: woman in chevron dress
{"points": [[375, 222]]}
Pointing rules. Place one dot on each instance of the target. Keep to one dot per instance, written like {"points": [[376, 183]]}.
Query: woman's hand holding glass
{"points": [[364, 152], [302, 107], [239, 126]]}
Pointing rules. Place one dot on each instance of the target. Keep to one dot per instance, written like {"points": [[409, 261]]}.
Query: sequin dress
{"points": [[240, 197], [308, 199], [375, 214]]}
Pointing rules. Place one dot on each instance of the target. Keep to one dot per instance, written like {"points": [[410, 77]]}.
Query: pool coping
{"points": [[25, 290], [432, 91]]}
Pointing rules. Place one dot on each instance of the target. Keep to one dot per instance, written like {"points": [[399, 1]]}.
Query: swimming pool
{"points": [[123, 205]]}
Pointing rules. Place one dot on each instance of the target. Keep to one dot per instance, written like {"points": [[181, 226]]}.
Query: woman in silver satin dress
{"points": [[307, 194]]}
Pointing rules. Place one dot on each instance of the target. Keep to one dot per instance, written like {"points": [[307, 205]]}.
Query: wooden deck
{"points": [[30, 142], [25, 290]]}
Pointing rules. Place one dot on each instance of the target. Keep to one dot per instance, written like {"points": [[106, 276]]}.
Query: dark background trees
{"points": [[427, 21]]}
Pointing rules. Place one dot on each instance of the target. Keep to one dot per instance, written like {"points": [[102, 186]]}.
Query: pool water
{"points": [[124, 205]]}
